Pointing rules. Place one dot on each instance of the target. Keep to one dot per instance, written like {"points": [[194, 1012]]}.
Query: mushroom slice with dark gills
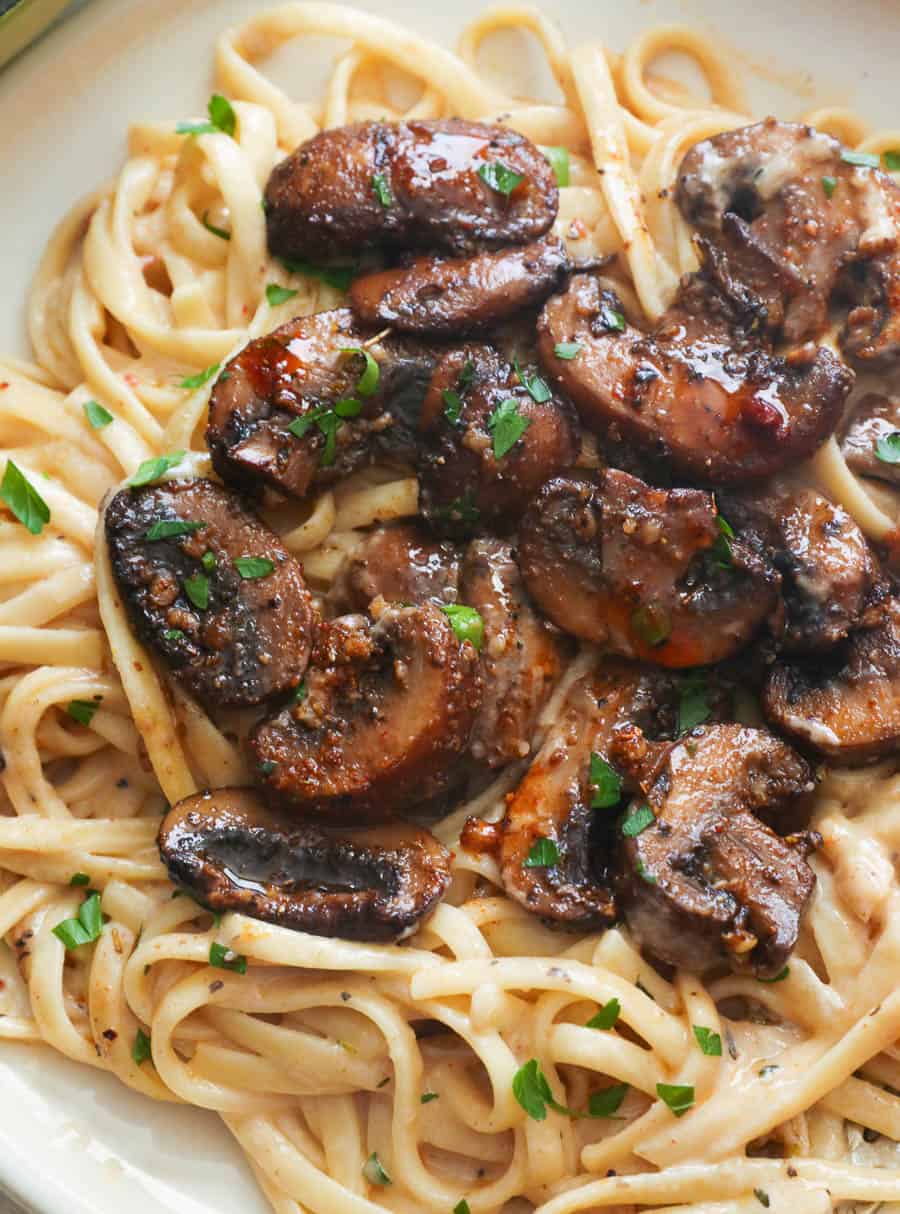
{"points": [[794, 221], [647, 573], [384, 722], [450, 185], [869, 444], [448, 297], [557, 847], [490, 438], [311, 402], [400, 563], [700, 394], [211, 590], [231, 853], [844, 706], [703, 879], [522, 654], [830, 579]]}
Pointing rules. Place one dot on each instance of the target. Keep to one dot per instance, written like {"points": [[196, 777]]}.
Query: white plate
{"points": [[72, 1141]]}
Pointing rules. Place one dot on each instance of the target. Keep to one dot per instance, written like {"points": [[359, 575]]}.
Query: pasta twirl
{"points": [[312, 1056]]}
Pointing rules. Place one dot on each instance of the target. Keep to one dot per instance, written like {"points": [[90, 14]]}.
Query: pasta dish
{"points": [[451, 637]]}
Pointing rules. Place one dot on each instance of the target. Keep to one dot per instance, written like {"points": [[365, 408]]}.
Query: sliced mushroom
{"points": [[698, 392], [644, 572], [384, 722], [400, 563], [789, 218], [211, 589], [829, 577], [488, 442], [874, 420], [845, 705], [704, 879], [450, 185], [522, 655], [231, 853], [312, 375], [451, 297]]}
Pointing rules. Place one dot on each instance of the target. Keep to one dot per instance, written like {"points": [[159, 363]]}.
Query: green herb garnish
{"points": [[888, 448], [829, 185], [141, 1051], [500, 177], [171, 528], [543, 854], [779, 977], [466, 622], [637, 820], [97, 416], [86, 928], [507, 426], [196, 587], [374, 1171], [678, 1096], [606, 781], [276, 295], [865, 160], [224, 959], [23, 499], [559, 162], [606, 1017], [82, 711], [567, 349], [221, 118], [79, 879], [382, 190], [211, 227], [202, 377], [710, 1043], [251, 567], [367, 384], [693, 705], [152, 469], [651, 624]]}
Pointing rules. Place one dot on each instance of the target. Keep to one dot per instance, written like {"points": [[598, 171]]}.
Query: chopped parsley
{"points": [[762, 1197], [543, 854], [252, 567], [222, 118], [208, 561], [23, 499], [606, 781], [276, 295], [86, 928], [567, 350], [367, 384], [693, 705], [462, 1207], [374, 1172], [532, 1091], [606, 1017], [339, 277], [224, 959], [678, 1096], [211, 227], [637, 820], [507, 426], [172, 634], [532, 383], [171, 528], [888, 448], [141, 1051], [607, 1101], [559, 162], [829, 185], [152, 469], [97, 416], [651, 624], [82, 711], [611, 319], [865, 160], [452, 405], [466, 623], [79, 879], [710, 1043], [382, 190], [301, 693], [191, 382], [460, 510], [427, 1097], [779, 977], [196, 588], [892, 160], [500, 177]]}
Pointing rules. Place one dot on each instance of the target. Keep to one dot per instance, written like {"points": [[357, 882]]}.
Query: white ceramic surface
{"points": [[72, 1141]]}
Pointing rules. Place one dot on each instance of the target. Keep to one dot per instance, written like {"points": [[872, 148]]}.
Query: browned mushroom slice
{"points": [[314, 400], [790, 217], [844, 706], [522, 654], [704, 879], [644, 572], [211, 589], [869, 444], [384, 722], [829, 577], [449, 185], [697, 393], [400, 563], [489, 440], [451, 297], [231, 853]]}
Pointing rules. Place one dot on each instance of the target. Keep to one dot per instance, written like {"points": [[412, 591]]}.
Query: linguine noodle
{"points": [[311, 1056]]}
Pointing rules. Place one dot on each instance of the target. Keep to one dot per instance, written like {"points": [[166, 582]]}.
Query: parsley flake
{"points": [[864, 160], [651, 624], [97, 416], [141, 1051], [606, 781], [152, 469], [367, 384], [779, 977], [466, 622], [532, 1091], [86, 928], [892, 160], [507, 426], [172, 634], [762, 1197], [710, 1043], [82, 711], [678, 1096], [224, 959], [462, 1207], [276, 295], [559, 162], [192, 382], [606, 1017], [196, 588], [637, 820], [452, 405], [374, 1172], [543, 854], [532, 383], [211, 227], [500, 177], [222, 118], [693, 705], [427, 1097], [567, 350], [208, 561], [888, 448], [171, 528], [23, 499], [251, 567], [607, 1101], [829, 185], [382, 190], [339, 277]]}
